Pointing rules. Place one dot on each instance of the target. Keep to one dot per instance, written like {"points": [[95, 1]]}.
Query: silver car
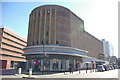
{"points": [[100, 68]]}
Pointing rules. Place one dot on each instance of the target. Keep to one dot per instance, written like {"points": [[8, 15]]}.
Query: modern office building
{"points": [[107, 48], [11, 50], [57, 40]]}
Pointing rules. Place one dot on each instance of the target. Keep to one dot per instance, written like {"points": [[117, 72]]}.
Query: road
{"points": [[83, 74]]}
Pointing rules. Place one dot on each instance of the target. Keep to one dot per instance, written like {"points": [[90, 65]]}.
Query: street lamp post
{"points": [[43, 58]]}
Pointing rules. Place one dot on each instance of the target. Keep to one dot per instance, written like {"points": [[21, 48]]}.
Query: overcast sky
{"points": [[100, 16]]}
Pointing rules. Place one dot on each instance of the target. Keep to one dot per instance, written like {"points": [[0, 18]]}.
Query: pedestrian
{"points": [[86, 67], [70, 69], [93, 66], [79, 68]]}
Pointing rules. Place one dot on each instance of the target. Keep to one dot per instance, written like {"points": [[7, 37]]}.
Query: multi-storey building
{"points": [[57, 40], [107, 48], [11, 49]]}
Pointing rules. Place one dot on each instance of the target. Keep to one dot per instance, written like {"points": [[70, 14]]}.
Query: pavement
{"points": [[83, 74]]}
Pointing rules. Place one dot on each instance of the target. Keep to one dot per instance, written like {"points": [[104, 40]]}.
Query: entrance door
{"points": [[41, 65], [3, 63]]}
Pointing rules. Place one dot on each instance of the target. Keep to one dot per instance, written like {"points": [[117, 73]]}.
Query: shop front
{"points": [[52, 62], [53, 59]]}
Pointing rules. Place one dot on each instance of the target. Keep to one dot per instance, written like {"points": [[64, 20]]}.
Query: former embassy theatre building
{"points": [[57, 40]]}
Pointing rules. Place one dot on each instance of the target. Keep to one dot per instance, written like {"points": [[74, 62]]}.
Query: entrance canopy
{"points": [[54, 50]]}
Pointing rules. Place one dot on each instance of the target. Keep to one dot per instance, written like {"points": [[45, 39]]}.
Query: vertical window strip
{"points": [[37, 25], [35, 33], [55, 28], [39, 37], [33, 30], [44, 38], [29, 31], [50, 27]]}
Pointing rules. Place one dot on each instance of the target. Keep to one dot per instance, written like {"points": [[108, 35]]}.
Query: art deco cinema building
{"points": [[57, 40]]}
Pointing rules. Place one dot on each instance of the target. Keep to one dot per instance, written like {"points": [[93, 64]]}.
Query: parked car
{"points": [[106, 67], [118, 67], [111, 67], [115, 66], [100, 68]]}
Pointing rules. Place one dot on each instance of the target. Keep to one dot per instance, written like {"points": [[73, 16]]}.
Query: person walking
{"points": [[86, 67], [70, 69], [79, 67], [93, 66]]}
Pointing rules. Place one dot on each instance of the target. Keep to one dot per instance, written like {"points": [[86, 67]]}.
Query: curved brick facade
{"points": [[57, 40], [57, 25]]}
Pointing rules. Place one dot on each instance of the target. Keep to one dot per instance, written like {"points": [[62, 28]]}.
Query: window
{"points": [[11, 51], [48, 17], [37, 42], [42, 25], [48, 11], [39, 13], [42, 18], [11, 56], [14, 37], [35, 14], [47, 25], [12, 64], [11, 45], [53, 10], [38, 19], [47, 33], [57, 42], [46, 42], [42, 34], [43, 10], [33, 43], [14, 41], [58, 25], [41, 42]]}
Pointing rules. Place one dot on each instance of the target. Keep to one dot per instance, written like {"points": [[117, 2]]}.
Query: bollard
{"points": [[86, 70], [79, 71], [90, 70], [19, 71], [30, 72], [30, 75]]}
